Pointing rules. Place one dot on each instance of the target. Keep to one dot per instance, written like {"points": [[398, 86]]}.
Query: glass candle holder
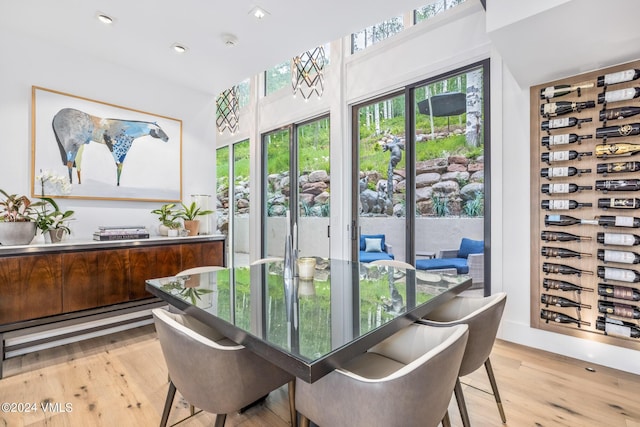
{"points": [[306, 268]]}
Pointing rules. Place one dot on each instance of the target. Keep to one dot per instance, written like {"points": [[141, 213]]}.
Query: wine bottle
{"points": [[550, 252], [561, 172], [618, 77], [618, 113], [565, 220], [559, 236], [548, 268], [563, 188], [618, 150], [561, 302], [624, 203], [619, 292], [624, 257], [563, 139], [561, 285], [563, 156], [621, 310], [618, 167], [619, 95], [552, 109], [554, 316], [561, 90], [617, 327], [562, 204], [618, 185], [619, 274], [564, 122], [618, 221], [618, 131], [620, 239]]}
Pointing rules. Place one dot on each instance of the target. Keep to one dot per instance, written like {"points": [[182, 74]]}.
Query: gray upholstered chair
{"points": [[199, 270], [393, 263], [212, 372], [406, 380], [483, 316]]}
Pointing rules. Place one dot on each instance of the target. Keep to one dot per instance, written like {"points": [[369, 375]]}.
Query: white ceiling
{"points": [[144, 30]]}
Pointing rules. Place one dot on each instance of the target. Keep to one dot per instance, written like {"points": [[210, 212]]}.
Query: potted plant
{"points": [[190, 216], [52, 221], [173, 228], [167, 217], [17, 219]]}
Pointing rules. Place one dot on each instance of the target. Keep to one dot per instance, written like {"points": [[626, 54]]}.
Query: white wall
{"points": [[28, 62]]}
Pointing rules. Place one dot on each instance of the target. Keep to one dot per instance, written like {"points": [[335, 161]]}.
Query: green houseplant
{"points": [[167, 217], [190, 216], [50, 219], [17, 219]]}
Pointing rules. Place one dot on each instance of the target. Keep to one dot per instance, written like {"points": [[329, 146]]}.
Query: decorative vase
{"points": [[163, 230], [56, 235], [193, 226], [172, 232], [17, 233]]}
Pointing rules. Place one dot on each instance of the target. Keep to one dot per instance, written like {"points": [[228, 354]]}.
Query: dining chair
{"points": [[406, 380], [483, 316], [393, 263], [212, 372], [267, 260], [199, 270]]}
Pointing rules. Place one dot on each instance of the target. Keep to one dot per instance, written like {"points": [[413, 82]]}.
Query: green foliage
{"points": [[191, 212], [475, 207], [440, 205]]}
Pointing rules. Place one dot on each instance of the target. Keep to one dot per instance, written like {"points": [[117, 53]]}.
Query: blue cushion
{"points": [[373, 256], [468, 246], [363, 245], [460, 264]]}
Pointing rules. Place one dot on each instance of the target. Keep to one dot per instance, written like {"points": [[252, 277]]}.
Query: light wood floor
{"points": [[121, 380]]}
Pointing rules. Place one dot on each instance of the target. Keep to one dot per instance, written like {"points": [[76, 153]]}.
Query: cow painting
{"points": [[74, 128]]}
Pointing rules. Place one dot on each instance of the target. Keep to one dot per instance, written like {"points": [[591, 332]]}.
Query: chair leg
{"points": [[304, 421], [457, 391], [167, 404], [220, 419], [446, 422], [292, 403], [494, 387]]}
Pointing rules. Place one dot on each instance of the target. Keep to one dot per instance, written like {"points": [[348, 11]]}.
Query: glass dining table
{"points": [[309, 326]]}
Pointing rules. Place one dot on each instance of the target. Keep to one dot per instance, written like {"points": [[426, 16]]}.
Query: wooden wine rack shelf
{"points": [[589, 315]]}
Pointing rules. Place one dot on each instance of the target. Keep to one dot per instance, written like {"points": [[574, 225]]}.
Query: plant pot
{"points": [[193, 227], [163, 230], [172, 232], [56, 235], [17, 233]]}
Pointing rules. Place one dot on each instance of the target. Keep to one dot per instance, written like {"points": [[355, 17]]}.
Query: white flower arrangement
{"points": [[52, 183]]}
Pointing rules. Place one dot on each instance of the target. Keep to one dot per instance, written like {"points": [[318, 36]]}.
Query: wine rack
{"points": [[585, 276]]}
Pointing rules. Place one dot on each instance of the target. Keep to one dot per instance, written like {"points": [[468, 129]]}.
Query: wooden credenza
{"points": [[58, 279], [89, 286]]}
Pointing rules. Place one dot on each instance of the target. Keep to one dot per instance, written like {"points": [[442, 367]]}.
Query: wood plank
{"points": [[122, 380]]}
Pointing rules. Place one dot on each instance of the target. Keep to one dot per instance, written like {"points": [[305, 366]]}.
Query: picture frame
{"points": [[88, 149]]}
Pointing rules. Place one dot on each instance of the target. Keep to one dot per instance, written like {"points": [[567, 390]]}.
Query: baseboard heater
{"points": [[61, 330]]}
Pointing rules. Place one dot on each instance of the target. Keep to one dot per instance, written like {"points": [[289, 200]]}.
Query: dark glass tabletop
{"points": [[309, 326]]}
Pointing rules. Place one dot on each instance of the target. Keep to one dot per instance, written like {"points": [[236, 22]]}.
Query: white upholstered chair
{"points": [[406, 380], [212, 372], [483, 316], [267, 260]]}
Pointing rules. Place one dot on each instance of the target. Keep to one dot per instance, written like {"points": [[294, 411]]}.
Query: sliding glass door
{"points": [[296, 167]]}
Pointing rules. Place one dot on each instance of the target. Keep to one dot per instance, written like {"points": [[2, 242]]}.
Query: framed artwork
{"points": [[87, 149]]}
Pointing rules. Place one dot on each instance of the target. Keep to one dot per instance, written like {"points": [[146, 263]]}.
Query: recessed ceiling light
{"points": [[104, 18], [259, 13], [179, 48]]}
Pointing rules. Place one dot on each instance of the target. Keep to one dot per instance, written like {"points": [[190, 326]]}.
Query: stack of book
{"points": [[121, 232]]}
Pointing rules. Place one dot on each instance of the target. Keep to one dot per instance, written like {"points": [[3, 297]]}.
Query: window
{"points": [[430, 10], [373, 34], [243, 93]]}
